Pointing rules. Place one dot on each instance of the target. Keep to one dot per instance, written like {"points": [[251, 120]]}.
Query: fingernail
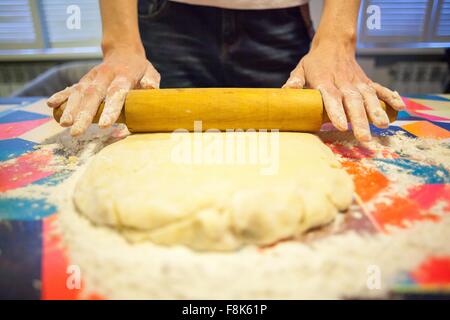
{"points": [[381, 120], [364, 138], [104, 121], [363, 135], [66, 119], [385, 119], [399, 100], [342, 122], [50, 101], [75, 130], [341, 126]]}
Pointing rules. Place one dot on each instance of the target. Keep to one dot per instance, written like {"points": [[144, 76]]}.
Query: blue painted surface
{"points": [[430, 174], [12, 148], [7, 111], [21, 259], [54, 179], [427, 97], [444, 125], [20, 101], [25, 209], [404, 115], [404, 278], [389, 131], [20, 115]]}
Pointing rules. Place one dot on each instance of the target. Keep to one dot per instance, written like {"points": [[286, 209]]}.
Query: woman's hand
{"points": [[120, 71], [347, 93]]}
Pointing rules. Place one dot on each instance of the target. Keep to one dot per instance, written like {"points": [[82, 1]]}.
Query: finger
{"points": [[332, 100], [151, 78], [392, 98], [92, 97], [73, 105], [296, 79], [373, 107], [354, 107], [75, 97], [114, 101], [59, 97]]}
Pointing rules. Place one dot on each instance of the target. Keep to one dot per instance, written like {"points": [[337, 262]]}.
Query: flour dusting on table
{"points": [[333, 266]]}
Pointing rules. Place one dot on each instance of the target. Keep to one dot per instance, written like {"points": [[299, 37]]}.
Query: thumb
{"points": [[151, 78], [296, 79]]}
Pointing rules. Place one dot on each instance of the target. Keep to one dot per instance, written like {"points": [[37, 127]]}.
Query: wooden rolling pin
{"points": [[165, 110]]}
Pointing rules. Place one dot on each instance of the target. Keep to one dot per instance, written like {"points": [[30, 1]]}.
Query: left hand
{"points": [[347, 93]]}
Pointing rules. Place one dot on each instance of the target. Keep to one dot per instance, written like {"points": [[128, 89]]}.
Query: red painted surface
{"points": [[414, 106], [15, 129], [24, 170], [417, 205], [433, 271], [357, 152], [428, 195], [415, 109], [55, 267], [398, 210]]}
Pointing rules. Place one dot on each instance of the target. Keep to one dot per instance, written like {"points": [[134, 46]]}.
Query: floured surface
{"points": [[333, 267], [140, 186], [403, 188]]}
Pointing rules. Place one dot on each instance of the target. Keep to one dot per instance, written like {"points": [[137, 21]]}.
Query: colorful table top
{"points": [[33, 265]]}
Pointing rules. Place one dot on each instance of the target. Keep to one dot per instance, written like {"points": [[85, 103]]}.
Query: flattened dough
{"points": [[136, 186]]}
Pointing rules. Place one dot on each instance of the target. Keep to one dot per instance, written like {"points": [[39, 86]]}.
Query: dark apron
{"points": [[199, 46]]}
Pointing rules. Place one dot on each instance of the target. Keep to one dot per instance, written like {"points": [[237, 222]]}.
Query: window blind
{"points": [[55, 17], [405, 23], [16, 23]]}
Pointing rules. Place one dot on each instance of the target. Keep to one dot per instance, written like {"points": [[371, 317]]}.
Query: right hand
{"points": [[111, 80]]}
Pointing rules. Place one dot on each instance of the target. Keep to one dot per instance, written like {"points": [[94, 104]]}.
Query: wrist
{"points": [[340, 42], [121, 46]]}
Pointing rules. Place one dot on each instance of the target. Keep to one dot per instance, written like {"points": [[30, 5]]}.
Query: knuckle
{"points": [[115, 90], [121, 82], [365, 88], [93, 90], [377, 87], [351, 93], [103, 68], [78, 87], [329, 90], [337, 95]]}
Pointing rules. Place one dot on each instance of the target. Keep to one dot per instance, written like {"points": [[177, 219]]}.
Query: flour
{"points": [[419, 152], [427, 150], [67, 154], [331, 267]]}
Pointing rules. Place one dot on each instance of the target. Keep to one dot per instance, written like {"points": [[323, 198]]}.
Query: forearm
{"points": [[338, 24], [120, 26]]}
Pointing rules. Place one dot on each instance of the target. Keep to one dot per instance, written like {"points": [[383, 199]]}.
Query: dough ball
{"points": [[214, 191]]}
